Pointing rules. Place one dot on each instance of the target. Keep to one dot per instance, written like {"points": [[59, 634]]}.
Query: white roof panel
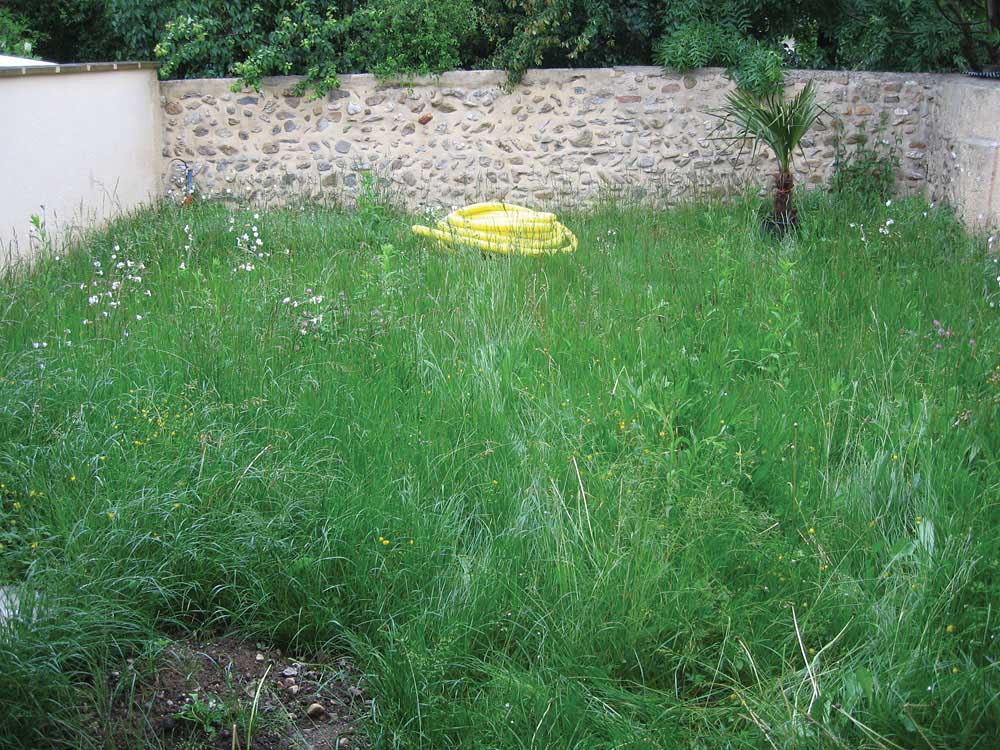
{"points": [[6, 61]]}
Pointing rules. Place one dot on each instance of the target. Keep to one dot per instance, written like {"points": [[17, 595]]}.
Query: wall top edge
{"points": [[75, 68], [486, 78]]}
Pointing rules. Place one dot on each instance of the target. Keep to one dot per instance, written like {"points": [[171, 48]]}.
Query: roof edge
{"points": [[74, 68]]}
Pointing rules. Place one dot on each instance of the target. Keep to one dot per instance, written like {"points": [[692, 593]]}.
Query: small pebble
{"points": [[289, 672], [316, 711], [260, 657]]}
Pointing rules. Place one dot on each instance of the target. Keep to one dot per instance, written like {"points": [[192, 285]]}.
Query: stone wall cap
{"points": [[535, 76], [73, 68], [349, 80]]}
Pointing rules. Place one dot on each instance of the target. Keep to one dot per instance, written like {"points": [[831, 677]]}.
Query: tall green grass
{"points": [[683, 488]]}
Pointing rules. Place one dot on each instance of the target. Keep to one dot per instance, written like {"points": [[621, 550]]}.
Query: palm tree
{"points": [[780, 124]]}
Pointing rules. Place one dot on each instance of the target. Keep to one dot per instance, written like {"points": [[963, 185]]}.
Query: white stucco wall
{"points": [[85, 145]]}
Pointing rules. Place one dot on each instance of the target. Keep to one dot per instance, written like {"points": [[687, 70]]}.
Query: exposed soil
{"points": [[198, 694]]}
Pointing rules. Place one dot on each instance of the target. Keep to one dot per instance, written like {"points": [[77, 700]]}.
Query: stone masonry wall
{"points": [[560, 137]]}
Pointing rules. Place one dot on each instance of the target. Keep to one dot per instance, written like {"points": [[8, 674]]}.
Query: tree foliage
{"points": [[569, 33], [388, 37], [16, 36], [320, 38], [914, 35], [253, 39], [69, 30]]}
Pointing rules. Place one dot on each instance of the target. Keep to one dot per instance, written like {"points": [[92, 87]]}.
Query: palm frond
{"points": [[773, 120]]}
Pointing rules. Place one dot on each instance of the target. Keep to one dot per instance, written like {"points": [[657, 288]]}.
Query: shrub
{"points": [[307, 37], [697, 44], [250, 41], [139, 24], [390, 37], [16, 37], [755, 67], [867, 171], [759, 69], [519, 34]]}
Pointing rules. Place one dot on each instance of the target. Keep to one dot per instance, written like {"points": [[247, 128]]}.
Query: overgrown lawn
{"points": [[687, 487]]}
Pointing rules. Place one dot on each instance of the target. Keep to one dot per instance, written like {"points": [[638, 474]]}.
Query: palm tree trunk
{"points": [[784, 214]]}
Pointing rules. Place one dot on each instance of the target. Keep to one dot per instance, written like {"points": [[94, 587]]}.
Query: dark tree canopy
{"points": [[320, 38]]}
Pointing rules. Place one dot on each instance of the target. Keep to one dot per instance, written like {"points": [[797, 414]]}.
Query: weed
{"points": [[206, 712], [868, 171]]}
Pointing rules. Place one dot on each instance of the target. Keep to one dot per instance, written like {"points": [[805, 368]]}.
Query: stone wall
{"points": [[560, 137]]}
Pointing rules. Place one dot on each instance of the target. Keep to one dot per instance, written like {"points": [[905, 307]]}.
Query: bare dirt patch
{"points": [[225, 694]]}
